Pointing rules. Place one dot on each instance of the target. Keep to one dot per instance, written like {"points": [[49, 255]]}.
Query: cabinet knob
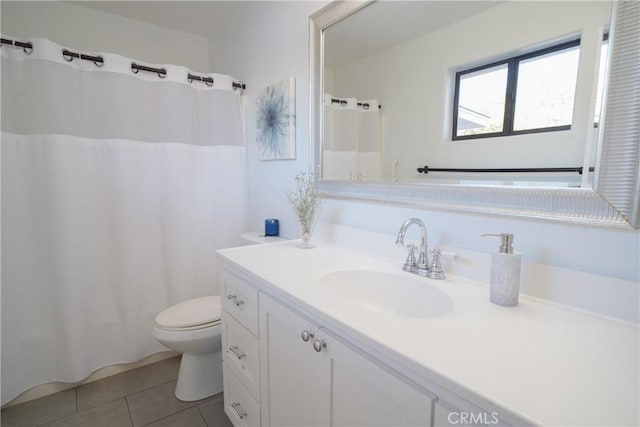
{"points": [[318, 345], [306, 335]]}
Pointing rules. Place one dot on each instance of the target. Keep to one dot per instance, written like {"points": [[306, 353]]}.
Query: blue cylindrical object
{"points": [[271, 227]]}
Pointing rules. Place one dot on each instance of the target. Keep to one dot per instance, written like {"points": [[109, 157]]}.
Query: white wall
{"points": [[87, 29], [414, 82], [267, 44], [277, 46]]}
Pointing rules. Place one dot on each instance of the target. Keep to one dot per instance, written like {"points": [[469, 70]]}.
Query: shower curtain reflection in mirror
{"points": [[117, 188], [351, 139]]}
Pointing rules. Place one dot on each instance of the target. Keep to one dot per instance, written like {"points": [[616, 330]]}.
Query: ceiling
{"points": [[203, 18], [387, 23], [374, 28]]}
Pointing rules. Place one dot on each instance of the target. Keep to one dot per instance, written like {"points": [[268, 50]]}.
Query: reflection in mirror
{"points": [[352, 139], [465, 85]]}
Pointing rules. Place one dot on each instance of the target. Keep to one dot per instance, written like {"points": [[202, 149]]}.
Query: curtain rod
{"points": [[26, 46], [209, 81], [364, 105], [99, 61], [161, 72], [68, 55], [579, 170], [206, 80]]}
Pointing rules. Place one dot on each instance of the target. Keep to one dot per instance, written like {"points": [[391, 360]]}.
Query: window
{"points": [[523, 94], [604, 53]]}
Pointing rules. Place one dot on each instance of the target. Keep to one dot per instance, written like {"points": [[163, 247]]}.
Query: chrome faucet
{"points": [[421, 266]]}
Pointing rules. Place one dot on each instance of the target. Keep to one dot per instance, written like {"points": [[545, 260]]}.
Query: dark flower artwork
{"points": [[276, 121]]}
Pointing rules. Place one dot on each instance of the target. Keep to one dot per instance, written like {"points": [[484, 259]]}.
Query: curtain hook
{"points": [[66, 54]]}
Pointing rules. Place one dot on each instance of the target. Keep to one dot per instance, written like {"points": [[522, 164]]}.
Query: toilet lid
{"points": [[187, 314]]}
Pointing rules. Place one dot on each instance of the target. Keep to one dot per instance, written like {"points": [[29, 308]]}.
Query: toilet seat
{"points": [[191, 315]]}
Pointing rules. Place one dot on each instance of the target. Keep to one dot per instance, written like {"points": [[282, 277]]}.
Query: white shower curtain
{"points": [[351, 146], [117, 188]]}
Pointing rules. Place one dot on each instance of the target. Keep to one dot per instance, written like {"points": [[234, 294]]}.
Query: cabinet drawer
{"points": [[241, 408], [241, 353], [240, 300]]}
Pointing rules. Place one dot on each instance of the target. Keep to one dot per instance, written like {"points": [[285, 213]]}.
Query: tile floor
{"points": [[140, 397]]}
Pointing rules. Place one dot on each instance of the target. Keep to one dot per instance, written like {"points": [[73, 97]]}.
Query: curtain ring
{"points": [[209, 82], [67, 55], [99, 61], [28, 48], [134, 70], [189, 79], [162, 73]]}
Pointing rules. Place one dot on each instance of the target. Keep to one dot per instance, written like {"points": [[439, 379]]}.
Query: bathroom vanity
{"points": [[339, 336]]}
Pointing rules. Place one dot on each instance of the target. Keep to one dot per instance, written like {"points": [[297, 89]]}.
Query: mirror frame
{"points": [[615, 199]]}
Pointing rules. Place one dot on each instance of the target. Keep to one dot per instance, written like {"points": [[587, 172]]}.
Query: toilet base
{"points": [[200, 376]]}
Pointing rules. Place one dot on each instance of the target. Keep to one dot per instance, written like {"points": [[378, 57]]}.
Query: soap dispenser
{"points": [[505, 272]]}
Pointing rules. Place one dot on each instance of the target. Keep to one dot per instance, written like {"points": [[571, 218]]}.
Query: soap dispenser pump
{"points": [[505, 272]]}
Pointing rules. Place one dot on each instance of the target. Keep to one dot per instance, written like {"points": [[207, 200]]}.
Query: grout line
{"points": [[125, 397], [149, 388], [126, 401], [170, 415], [58, 418], [130, 394], [122, 397], [201, 415]]}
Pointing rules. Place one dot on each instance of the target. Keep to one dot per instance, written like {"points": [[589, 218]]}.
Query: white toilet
{"points": [[193, 328]]}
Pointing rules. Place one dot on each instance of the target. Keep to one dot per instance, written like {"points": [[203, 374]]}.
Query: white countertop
{"points": [[540, 361]]}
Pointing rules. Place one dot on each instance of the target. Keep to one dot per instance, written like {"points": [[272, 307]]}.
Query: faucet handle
{"points": [[435, 270], [410, 263]]}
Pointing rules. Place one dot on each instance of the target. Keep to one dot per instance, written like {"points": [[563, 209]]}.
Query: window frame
{"points": [[510, 93], [605, 39]]}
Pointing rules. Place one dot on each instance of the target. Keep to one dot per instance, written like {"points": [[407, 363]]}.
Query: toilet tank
{"points": [[257, 237]]}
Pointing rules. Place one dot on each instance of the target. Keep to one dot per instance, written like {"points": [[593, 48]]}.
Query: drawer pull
{"points": [[306, 335], [236, 350], [241, 412], [318, 345], [234, 299]]}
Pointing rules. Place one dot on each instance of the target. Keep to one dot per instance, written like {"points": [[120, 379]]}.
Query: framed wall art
{"points": [[275, 121]]}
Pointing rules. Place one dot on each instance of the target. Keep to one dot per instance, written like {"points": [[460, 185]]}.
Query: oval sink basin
{"points": [[387, 293]]}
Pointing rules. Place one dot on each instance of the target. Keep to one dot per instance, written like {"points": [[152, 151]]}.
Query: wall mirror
{"points": [[546, 106]]}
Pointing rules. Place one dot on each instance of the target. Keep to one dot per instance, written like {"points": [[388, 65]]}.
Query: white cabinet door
{"points": [[447, 414], [366, 393], [289, 368]]}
